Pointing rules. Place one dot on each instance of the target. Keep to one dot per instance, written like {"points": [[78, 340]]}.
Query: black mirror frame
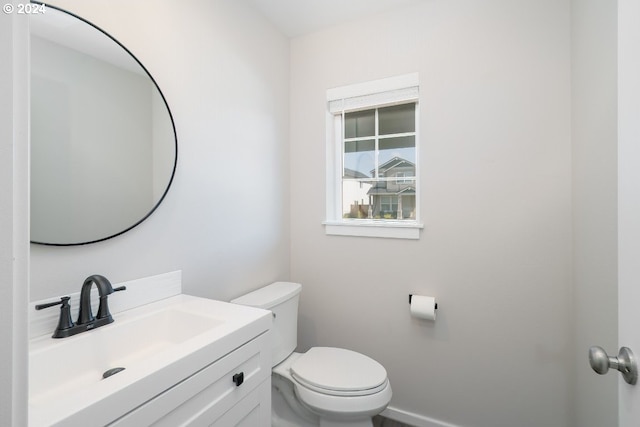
{"points": [[173, 126]]}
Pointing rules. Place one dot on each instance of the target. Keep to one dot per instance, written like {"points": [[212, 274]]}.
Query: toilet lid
{"points": [[339, 371]]}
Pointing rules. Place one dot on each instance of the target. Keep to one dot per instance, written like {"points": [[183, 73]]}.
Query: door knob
{"points": [[625, 363]]}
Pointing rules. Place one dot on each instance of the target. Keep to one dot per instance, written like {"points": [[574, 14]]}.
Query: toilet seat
{"points": [[339, 372], [348, 403]]}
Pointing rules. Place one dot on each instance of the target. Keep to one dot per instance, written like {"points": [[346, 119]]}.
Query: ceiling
{"points": [[298, 17]]}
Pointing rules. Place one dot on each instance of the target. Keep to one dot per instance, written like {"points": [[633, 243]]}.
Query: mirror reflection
{"points": [[103, 143]]}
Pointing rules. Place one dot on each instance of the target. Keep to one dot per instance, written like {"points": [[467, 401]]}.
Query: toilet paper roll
{"points": [[423, 307]]}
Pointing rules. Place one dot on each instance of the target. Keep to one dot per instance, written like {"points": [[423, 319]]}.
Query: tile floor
{"points": [[380, 421]]}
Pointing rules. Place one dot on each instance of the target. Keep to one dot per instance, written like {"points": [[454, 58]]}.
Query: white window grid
{"points": [[376, 137], [364, 96], [339, 143]]}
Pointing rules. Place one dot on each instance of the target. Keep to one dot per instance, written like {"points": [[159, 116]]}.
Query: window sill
{"points": [[372, 228]]}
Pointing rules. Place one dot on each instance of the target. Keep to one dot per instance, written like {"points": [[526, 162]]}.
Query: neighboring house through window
{"points": [[372, 156]]}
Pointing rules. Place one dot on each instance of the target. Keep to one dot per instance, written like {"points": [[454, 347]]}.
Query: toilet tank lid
{"points": [[270, 295]]}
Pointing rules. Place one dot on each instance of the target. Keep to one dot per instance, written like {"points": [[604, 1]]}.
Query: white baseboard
{"points": [[413, 418]]}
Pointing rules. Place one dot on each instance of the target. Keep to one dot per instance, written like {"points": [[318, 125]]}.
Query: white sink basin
{"points": [[158, 344], [81, 362]]}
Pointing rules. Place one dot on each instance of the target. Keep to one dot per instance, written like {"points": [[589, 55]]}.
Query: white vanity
{"points": [[188, 362]]}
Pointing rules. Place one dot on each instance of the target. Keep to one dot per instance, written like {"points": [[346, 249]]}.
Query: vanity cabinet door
{"points": [[252, 411], [208, 395]]}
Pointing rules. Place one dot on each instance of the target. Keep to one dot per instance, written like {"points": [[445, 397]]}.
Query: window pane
{"points": [[371, 199], [356, 198], [359, 124], [397, 143], [397, 155], [397, 119], [393, 205], [359, 158]]}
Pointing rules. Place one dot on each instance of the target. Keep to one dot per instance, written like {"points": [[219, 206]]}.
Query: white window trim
{"points": [[366, 95]]}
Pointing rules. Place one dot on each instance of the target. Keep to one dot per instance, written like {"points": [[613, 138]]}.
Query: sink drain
{"points": [[111, 371]]}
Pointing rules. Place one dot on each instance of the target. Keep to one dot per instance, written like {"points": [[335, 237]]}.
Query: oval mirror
{"points": [[103, 142]]}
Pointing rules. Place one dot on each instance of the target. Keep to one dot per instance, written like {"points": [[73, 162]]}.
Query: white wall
{"points": [[496, 199], [14, 223], [628, 108], [594, 140], [224, 72]]}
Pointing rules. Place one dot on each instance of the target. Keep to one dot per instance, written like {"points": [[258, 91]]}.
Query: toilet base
{"points": [[286, 411]]}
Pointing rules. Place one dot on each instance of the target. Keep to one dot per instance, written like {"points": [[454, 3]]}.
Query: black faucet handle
{"points": [[103, 309], [64, 321], [63, 301]]}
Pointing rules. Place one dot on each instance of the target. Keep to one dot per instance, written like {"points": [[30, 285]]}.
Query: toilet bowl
{"points": [[337, 385], [326, 386]]}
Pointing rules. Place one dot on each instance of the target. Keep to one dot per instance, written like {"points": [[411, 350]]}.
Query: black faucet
{"points": [[104, 290], [86, 321]]}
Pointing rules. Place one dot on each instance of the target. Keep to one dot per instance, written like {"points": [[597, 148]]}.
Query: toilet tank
{"points": [[282, 299]]}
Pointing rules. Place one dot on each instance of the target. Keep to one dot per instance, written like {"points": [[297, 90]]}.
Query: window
{"points": [[400, 178], [372, 147], [388, 205]]}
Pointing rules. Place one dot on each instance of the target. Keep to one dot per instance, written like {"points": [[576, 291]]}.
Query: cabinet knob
{"points": [[238, 379]]}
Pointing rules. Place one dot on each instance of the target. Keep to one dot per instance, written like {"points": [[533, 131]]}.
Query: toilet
{"points": [[326, 386]]}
